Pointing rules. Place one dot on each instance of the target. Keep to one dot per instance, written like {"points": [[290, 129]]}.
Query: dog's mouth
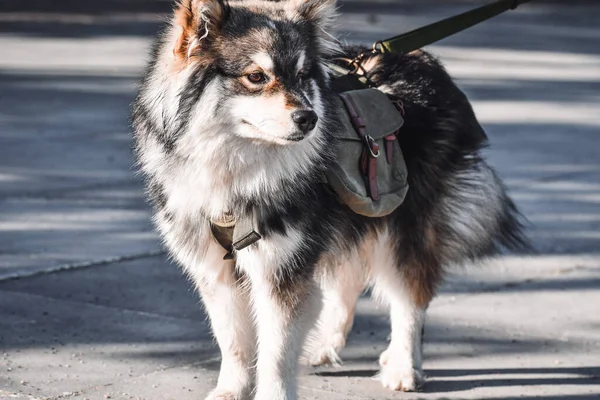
{"points": [[294, 137]]}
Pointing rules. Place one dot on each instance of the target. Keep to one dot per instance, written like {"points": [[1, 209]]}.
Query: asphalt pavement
{"points": [[90, 307]]}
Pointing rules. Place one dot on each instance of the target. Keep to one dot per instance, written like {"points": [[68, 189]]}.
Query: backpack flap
{"points": [[380, 116], [369, 174]]}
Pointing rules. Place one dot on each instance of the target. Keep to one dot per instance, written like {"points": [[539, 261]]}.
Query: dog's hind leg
{"points": [[341, 283], [401, 364], [226, 300], [407, 290]]}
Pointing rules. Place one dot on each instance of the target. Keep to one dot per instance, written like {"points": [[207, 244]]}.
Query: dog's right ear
{"points": [[195, 21]]}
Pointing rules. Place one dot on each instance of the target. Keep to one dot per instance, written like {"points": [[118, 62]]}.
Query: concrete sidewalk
{"points": [[91, 309]]}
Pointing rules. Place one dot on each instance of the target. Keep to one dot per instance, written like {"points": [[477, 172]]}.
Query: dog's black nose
{"points": [[305, 119]]}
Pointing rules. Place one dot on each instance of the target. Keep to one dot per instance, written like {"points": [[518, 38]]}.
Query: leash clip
{"points": [[378, 47], [356, 64]]}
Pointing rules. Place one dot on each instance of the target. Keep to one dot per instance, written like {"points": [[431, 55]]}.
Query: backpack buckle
{"points": [[372, 146]]}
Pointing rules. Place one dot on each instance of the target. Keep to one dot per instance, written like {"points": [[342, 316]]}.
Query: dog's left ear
{"points": [[321, 12]]}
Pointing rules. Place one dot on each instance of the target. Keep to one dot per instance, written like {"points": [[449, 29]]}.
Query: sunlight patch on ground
{"points": [[537, 112], [92, 55], [493, 63]]}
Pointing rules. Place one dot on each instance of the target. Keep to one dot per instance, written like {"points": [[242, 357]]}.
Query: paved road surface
{"points": [[90, 308]]}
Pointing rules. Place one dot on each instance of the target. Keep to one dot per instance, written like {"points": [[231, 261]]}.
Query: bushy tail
{"points": [[511, 231]]}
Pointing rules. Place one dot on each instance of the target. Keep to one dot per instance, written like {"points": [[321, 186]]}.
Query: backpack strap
{"points": [[368, 162]]}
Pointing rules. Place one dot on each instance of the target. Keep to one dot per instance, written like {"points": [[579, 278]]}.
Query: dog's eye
{"points": [[256, 77]]}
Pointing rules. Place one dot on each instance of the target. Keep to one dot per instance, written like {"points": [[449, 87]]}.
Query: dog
{"points": [[236, 113]]}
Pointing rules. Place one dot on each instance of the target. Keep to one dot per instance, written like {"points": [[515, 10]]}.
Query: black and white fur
{"points": [[211, 139]]}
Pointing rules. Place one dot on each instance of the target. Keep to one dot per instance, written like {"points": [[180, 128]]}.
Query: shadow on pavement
{"points": [[494, 378]]}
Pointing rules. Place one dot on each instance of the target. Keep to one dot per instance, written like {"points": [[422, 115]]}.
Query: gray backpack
{"points": [[369, 173]]}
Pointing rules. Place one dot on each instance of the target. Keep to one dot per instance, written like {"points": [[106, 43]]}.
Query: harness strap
{"points": [[223, 236], [235, 233], [426, 35]]}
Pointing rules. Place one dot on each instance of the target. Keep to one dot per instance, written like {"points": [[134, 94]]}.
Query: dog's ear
{"points": [[195, 21], [321, 12]]}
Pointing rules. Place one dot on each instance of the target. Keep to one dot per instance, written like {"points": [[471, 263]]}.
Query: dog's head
{"points": [[267, 57]]}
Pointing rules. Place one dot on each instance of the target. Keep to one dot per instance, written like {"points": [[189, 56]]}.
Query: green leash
{"points": [[348, 78], [414, 40]]}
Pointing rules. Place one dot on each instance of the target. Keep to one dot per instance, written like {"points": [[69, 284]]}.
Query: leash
{"points": [[426, 35], [354, 77]]}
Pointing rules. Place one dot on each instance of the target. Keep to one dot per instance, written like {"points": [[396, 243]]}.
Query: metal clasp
{"points": [[372, 145], [378, 47]]}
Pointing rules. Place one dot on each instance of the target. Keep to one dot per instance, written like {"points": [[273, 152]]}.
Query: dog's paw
{"points": [[326, 352], [325, 356], [384, 358], [397, 377], [223, 394], [405, 380]]}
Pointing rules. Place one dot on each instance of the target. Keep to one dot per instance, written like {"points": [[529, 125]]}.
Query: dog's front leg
{"points": [[226, 299], [285, 313], [286, 305]]}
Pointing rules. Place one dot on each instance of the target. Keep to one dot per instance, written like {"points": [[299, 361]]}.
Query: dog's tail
{"points": [[512, 225], [482, 218]]}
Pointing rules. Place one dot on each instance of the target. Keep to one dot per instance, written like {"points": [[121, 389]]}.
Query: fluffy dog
{"points": [[236, 114]]}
